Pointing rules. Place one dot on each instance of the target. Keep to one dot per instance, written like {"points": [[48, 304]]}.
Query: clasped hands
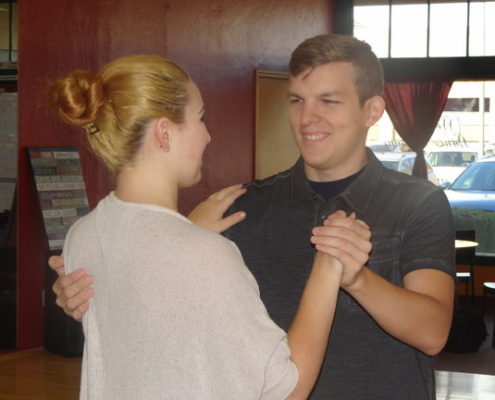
{"points": [[348, 240]]}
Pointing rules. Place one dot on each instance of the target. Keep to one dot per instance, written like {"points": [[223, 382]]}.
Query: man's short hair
{"points": [[324, 49]]}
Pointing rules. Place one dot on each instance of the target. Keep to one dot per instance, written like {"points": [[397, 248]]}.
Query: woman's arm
{"points": [[308, 334]]}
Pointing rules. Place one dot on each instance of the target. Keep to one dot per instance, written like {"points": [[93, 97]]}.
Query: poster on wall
{"points": [[61, 190]]}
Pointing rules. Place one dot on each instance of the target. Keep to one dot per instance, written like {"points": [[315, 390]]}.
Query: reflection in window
{"points": [[466, 104]]}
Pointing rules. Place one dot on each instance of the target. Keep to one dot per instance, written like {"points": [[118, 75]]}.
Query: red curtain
{"points": [[414, 108]]}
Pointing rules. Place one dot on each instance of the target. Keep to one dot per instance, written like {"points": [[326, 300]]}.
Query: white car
{"points": [[404, 162], [448, 163]]}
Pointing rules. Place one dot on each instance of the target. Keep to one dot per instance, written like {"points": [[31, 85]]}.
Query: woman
{"points": [[177, 314]]}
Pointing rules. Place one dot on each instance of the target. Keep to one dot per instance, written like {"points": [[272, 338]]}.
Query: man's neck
{"points": [[336, 173]]}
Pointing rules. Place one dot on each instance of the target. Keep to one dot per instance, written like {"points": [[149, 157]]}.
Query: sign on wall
{"points": [[61, 190]]}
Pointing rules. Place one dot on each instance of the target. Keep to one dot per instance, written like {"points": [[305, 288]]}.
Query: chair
{"points": [[466, 256], [489, 288]]}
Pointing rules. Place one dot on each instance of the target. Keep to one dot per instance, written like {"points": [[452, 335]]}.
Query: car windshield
{"points": [[450, 158], [478, 176]]}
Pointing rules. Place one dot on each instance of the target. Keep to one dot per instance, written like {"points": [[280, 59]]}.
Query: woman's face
{"points": [[192, 139]]}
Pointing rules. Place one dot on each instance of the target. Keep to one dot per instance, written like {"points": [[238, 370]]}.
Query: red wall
{"points": [[220, 43]]}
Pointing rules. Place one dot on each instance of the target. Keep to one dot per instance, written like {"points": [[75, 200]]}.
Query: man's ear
{"points": [[375, 107], [162, 133]]}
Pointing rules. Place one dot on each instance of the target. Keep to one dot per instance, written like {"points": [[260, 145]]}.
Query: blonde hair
{"points": [[115, 105], [324, 49]]}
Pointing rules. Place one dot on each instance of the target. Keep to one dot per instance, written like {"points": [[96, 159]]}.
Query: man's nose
{"points": [[309, 115]]}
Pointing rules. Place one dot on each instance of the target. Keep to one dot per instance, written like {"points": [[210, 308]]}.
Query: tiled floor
{"points": [[463, 386]]}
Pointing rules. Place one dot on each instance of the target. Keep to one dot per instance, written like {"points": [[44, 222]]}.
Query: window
{"points": [[428, 38], [420, 28], [465, 133], [467, 120]]}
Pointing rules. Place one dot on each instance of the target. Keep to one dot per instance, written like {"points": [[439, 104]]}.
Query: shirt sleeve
{"points": [[280, 369], [429, 239]]}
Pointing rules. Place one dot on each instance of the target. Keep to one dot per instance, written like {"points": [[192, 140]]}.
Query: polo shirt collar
{"points": [[357, 194], [300, 188]]}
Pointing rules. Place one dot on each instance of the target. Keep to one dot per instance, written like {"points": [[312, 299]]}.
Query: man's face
{"points": [[328, 122]]}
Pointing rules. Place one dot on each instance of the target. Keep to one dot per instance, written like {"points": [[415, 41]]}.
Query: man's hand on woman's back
{"points": [[73, 291]]}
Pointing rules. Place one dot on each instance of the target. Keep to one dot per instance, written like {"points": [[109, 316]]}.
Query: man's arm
{"points": [[73, 291], [418, 314]]}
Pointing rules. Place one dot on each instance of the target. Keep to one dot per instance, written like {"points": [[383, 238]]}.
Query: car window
{"points": [[479, 176], [406, 165], [451, 158]]}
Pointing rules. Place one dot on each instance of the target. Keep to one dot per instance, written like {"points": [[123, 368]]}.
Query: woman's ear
{"points": [[375, 107], [162, 133]]}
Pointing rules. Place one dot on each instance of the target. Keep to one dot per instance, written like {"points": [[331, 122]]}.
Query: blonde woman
{"points": [[176, 313]]}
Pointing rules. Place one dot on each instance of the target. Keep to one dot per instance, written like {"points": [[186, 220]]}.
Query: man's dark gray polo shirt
{"points": [[411, 227]]}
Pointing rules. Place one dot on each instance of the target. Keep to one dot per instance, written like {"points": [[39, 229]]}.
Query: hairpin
{"points": [[91, 128]]}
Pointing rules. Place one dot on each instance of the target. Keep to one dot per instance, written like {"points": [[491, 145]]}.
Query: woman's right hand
{"points": [[73, 291], [209, 213]]}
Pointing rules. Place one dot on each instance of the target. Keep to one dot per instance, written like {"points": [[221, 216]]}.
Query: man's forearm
{"points": [[418, 314]]}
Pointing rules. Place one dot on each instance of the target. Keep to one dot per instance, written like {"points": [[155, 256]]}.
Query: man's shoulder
{"points": [[407, 184], [267, 187]]}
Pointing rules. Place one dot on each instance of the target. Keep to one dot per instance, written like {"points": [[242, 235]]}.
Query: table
{"points": [[464, 244]]}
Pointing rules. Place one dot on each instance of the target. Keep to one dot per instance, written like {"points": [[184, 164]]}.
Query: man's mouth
{"points": [[314, 136]]}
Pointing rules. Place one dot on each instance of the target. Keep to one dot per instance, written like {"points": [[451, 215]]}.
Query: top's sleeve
{"points": [[250, 349], [279, 369], [429, 238]]}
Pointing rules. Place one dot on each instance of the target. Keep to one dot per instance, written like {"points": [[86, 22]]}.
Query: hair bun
{"points": [[78, 97]]}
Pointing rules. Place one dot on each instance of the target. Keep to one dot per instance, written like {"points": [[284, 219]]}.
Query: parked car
{"points": [[474, 188], [448, 162], [404, 162]]}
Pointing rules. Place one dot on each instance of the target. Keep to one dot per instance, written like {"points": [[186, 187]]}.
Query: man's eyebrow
{"points": [[335, 93], [331, 94]]}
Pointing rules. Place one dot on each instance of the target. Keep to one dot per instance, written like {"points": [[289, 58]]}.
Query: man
{"points": [[392, 314]]}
